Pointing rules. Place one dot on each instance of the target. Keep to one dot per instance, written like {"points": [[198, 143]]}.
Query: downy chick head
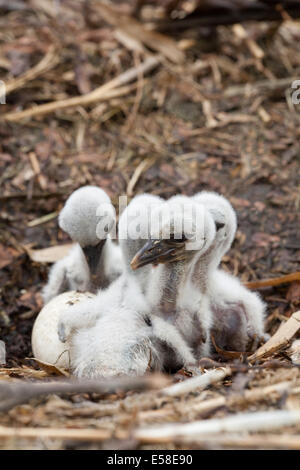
{"points": [[224, 217], [134, 224], [179, 229], [88, 216]]}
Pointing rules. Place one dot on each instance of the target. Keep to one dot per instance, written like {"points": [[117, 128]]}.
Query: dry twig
{"points": [[268, 441], [197, 383], [280, 339], [48, 62], [133, 29], [55, 433], [258, 421], [260, 86], [143, 166], [275, 281], [201, 406], [111, 89]]}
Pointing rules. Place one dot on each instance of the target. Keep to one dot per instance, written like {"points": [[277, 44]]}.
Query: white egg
{"points": [[45, 342]]}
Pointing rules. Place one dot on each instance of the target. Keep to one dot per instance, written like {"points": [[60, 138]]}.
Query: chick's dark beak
{"points": [[156, 252], [93, 255]]}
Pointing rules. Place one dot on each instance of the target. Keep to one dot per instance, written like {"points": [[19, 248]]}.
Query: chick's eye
{"points": [[219, 225], [108, 227]]}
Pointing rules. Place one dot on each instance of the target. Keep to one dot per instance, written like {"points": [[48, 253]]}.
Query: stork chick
{"points": [[182, 233], [133, 232], [88, 217], [119, 343], [238, 314]]}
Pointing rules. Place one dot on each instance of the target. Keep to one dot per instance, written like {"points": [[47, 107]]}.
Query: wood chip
{"points": [[49, 255], [50, 368]]}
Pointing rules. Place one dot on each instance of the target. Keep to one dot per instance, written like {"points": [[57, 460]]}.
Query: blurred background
{"points": [[153, 96]]}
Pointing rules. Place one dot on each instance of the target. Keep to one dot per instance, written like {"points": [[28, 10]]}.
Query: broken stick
{"points": [[275, 281], [111, 89], [198, 383], [258, 421], [12, 394]]}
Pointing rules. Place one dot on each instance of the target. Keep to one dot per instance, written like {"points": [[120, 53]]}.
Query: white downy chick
{"points": [[119, 343], [88, 217], [133, 232], [182, 233], [238, 314]]}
